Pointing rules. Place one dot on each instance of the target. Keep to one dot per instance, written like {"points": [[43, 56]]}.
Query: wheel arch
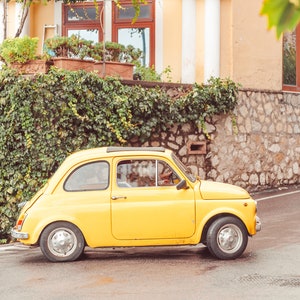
{"points": [[213, 219], [59, 221]]}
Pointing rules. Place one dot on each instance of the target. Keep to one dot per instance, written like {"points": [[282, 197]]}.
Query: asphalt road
{"points": [[269, 268]]}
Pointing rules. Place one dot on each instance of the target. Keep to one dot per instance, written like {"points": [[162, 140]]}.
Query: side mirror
{"points": [[181, 185]]}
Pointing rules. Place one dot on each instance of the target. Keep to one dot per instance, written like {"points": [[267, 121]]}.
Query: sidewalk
{"points": [[14, 246]]}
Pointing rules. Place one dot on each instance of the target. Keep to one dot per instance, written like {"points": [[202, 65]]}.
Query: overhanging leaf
{"points": [[284, 15]]}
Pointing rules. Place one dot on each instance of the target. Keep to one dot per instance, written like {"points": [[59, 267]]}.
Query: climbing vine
{"points": [[45, 118]]}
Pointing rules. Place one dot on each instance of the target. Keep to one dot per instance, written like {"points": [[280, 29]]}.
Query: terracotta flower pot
{"points": [[73, 64], [112, 68], [32, 67]]}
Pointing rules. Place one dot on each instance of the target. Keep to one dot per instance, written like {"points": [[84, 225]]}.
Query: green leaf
{"points": [[284, 15]]}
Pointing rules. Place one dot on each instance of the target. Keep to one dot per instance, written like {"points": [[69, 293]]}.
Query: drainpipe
{"points": [[188, 59], [211, 39]]}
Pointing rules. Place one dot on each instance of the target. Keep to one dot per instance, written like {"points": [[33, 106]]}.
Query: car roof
{"points": [[114, 151], [101, 152], [121, 149]]}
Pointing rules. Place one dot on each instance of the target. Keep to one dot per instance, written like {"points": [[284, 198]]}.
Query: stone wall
{"points": [[258, 149]]}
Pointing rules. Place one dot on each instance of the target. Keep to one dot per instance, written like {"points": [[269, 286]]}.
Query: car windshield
{"points": [[183, 168]]}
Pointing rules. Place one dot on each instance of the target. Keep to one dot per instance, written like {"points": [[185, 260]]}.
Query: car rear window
{"points": [[88, 177]]}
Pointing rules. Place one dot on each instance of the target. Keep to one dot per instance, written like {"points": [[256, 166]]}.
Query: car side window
{"points": [[88, 177], [142, 173], [166, 175]]}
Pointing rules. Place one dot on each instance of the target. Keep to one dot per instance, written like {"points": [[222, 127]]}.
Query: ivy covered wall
{"points": [[45, 118]]}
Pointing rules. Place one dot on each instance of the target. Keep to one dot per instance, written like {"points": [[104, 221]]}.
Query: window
{"points": [[291, 60], [140, 34], [84, 19], [89, 177], [87, 20], [143, 173]]}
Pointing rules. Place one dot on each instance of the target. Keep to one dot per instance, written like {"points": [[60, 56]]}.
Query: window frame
{"points": [[293, 88], [82, 24], [139, 23], [157, 182], [92, 184]]}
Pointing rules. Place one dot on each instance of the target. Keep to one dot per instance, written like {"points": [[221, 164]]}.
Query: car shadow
{"points": [[178, 253]]}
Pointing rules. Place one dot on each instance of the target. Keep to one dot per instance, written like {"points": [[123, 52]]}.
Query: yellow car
{"points": [[134, 196]]}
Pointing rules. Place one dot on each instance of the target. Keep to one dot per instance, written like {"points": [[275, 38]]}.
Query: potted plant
{"points": [[70, 53], [109, 59], [113, 59], [20, 53]]}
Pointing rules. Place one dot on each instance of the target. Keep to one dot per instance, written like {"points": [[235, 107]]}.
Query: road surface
{"points": [[269, 268]]}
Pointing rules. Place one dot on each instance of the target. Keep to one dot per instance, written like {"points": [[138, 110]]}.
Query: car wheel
{"points": [[227, 238], [62, 241]]}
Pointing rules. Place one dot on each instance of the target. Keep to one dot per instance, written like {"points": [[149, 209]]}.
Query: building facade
{"points": [[196, 39]]}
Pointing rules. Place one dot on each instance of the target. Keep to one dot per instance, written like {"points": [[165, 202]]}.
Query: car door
{"points": [[145, 205]]}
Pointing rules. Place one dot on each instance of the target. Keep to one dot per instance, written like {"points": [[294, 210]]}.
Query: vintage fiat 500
{"points": [[129, 196]]}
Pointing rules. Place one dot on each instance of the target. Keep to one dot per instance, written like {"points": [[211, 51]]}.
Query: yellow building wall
{"points": [[254, 53], [172, 37], [249, 53], [11, 30], [42, 15], [39, 15], [226, 44]]}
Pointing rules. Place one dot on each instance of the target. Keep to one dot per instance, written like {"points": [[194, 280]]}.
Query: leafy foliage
{"points": [[18, 50], [45, 118], [149, 73], [284, 15]]}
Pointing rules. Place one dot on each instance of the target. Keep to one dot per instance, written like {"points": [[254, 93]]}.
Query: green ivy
{"points": [[45, 118]]}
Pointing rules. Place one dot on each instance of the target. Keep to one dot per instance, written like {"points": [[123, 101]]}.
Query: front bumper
{"points": [[258, 224], [19, 235]]}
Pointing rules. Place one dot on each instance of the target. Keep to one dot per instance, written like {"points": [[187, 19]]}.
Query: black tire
{"points": [[227, 238], [62, 241]]}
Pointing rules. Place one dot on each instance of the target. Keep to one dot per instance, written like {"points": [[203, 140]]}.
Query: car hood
{"points": [[221, 191]]}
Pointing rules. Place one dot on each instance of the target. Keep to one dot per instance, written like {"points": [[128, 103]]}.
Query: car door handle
{"points": [[118, 197]]}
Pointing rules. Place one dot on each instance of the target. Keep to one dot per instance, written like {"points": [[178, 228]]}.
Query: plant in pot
{"points": [[20, 53], [71, 53], [114, 59]]}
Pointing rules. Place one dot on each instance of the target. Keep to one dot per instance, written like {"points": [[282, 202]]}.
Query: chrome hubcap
{"points": [[62, 242], [230, 238]]}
